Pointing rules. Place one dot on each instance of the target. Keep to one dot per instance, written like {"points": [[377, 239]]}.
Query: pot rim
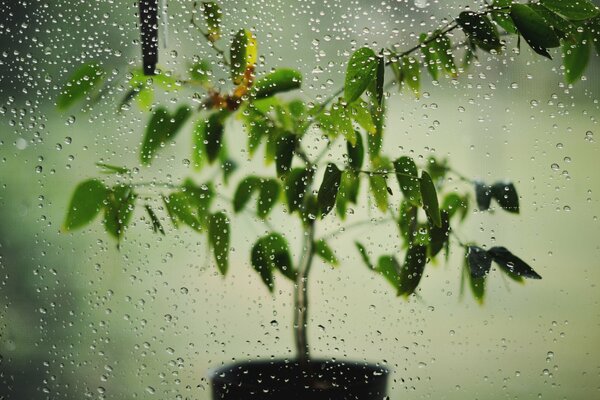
{"points": [[215, 374]]}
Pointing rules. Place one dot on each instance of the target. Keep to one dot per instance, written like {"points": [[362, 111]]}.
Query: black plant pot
{"points": [[293, 380]]}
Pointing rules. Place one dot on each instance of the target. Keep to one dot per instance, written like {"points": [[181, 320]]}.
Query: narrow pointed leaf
{"points": [[162, 128], [439, 235], [411, 74], [534, 29], [212, 16], [296, 184], [506, 195], [359, 110], [325, 252], [483, 196], [412, 269], [479, 261], [278, 81], [576, 56], [119, 210], [198, 147], [363, 255], [576, 10], [244, 191], [329, 189], [86, 202], [430, 200], [511, 263], [156, 225], [269, 253], [286, 145], [361, 71], [356, 153], [214, 140], [480, 29], [267, 197], [408, 179], [389, 267], [219, 237], [83, 80], [243, 55]]}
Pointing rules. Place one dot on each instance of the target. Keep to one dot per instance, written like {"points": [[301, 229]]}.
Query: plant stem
{"points": [[301, 295]]}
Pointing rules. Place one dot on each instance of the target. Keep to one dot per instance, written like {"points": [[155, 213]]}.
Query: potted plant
{"points": [[316, 188]]}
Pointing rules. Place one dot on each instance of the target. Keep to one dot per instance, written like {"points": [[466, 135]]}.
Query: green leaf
{"points": [[86, 203], [483, 196], [431, 58], [576, 56], [161, 129], [506, 195], [342, 122], [323, 250], [477, 287], [329, 189], [379, 190], [348, 193], [439, 235], [243, 55], [562, 27], [437, 168], [412, 269], [244, 191], [480, 29], [190, 205], [364, 256], [356, 152], [286, 144], [213, 135], [113, 169], [501, 15], [212, 16], [228, 166], [430, 200], [408, 179], [438, 54], [296, 184], [534, 29], [479, 261], [390, 269], [407, 221], [511, 263], [156, 225], [576, 10], [594, 31], [359, 111], [454, 204], [80, 83], [361, 71], [267, 197], [411, 74], [279, 81], [379, 81], [198, 147], [271, 252], [200, 72], [119, 209], [219, 237]]}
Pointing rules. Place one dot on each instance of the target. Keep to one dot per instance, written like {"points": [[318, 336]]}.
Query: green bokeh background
{"points": [[81, 319]]}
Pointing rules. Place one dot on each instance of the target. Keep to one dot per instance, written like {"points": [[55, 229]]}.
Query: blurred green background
{"points": [[81, 319]]}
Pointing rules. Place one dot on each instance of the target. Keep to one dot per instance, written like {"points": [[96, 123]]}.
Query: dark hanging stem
{"points": [[149, 34]]}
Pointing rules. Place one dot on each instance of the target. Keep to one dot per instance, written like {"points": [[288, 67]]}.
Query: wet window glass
{"points": [[291, 199]]}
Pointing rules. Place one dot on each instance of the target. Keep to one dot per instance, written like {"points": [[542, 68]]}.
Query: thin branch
{"points": [[212, 44], [355, 225]]}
